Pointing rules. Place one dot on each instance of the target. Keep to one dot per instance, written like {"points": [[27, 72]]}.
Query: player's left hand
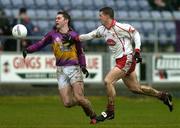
{"points": [[24, 53], [85, 71], [137, 56]]}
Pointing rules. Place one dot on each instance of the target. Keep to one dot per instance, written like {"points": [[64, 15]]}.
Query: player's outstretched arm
{"points": [[91, 35], [37, 46]]}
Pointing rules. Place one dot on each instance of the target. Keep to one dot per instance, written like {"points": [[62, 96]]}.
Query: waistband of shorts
{"points": [[67, 66], [125, 55]]}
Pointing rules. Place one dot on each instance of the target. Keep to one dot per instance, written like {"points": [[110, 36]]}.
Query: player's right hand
{"points": [[85, 71], [24, 53], [137, 56], [68, 39]]}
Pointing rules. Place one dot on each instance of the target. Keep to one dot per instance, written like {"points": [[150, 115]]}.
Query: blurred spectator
{"points": [[176, 4], [4, 23], [161, 5], [5, 30], [24, 19]]}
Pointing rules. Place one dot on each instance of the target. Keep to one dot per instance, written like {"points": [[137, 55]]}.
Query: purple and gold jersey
{"points": [[66, 53]]}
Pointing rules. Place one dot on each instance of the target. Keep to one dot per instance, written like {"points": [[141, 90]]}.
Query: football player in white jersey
{"points": [[119, 38]]}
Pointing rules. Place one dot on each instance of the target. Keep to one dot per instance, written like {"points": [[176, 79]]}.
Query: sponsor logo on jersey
{"points": [[110, 42]]}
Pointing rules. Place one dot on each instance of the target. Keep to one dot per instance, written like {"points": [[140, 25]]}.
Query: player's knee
{"points": [[67, 104], [107, 82]]}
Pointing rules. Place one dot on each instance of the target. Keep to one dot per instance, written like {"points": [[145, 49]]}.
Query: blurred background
{"points": [[158, 22]]}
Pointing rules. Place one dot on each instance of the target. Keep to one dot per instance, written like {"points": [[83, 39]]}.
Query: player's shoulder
{"points": [[51, 32], [124, 26], [73, 33], [101, 27]]}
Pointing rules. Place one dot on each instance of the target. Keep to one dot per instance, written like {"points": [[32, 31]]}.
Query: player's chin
{"points": [[57, 26]]}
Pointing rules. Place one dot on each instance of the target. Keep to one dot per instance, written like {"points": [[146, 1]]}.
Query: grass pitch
{"points": [[48, 112]]}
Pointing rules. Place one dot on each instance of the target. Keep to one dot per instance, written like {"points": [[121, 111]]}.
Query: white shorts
{"points": [[67, 75]]}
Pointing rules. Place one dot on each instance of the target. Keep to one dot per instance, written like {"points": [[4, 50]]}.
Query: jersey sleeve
{"points": [[134, 34], [37, 46], [97, 33], [80, 54], [79, 49], [137, 39]]}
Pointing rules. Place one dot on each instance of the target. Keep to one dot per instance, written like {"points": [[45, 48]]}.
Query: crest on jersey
{"points": [[110, 42], [57, 39]]}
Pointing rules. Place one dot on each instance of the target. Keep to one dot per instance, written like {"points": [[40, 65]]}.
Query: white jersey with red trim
{"points": [[119, 38]]}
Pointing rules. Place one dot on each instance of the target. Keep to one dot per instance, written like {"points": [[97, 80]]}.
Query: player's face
{"points": [[103, 18], [60, 21]]}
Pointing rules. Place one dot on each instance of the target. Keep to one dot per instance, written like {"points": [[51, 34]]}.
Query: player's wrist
{"points": [[82, 66], [77, 38], [24, 53]]}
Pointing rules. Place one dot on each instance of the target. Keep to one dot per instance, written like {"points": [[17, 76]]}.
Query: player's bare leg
{"points": [[78, 90], [132, 83], [67, 96], [111, 78]]}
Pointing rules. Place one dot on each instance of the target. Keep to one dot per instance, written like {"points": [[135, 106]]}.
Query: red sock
{"points": [[162, 95], [110, 108]]}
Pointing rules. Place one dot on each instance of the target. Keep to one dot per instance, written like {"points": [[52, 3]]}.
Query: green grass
{"points": [[48, 112]]}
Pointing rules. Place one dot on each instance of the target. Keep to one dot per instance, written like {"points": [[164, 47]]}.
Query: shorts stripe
{"points": [[126, 63]]}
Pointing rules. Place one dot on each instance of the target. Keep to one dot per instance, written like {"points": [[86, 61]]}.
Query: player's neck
{"points": [[110, 23], [64, 29]]}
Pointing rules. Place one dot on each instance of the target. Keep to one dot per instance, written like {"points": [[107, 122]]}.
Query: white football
{"points": [[19, 31]]}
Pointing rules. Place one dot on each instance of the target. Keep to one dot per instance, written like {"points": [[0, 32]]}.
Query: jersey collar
{"points": [[112, 24]]}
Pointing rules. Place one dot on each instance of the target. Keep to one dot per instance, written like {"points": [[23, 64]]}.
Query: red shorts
{"points": [[126, 63]]}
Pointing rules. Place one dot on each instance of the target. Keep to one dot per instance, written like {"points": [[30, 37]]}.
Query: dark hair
{"points": [[66, 16], [108, 11], [22, 10]]}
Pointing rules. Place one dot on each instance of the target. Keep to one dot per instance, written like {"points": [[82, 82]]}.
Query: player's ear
{"points": [[66, 21]]}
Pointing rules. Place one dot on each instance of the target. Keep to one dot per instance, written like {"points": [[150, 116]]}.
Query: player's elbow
{"points": [[137, 35], [81, 37], [108, 82]]}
